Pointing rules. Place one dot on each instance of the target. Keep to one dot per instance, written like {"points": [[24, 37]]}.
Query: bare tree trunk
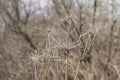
{"points": [[111, 32], [94, 12], [110, 41]]}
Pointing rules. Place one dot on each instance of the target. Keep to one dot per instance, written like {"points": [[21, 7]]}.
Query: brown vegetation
{"points": [[64, 40]]}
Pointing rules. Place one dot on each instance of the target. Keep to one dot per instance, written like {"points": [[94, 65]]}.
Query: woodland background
{"points": [[59, 40]]}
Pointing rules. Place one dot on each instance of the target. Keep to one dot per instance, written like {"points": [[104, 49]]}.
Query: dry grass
{"points": [[66, 55]]}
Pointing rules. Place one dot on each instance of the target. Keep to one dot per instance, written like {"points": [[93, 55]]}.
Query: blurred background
{"points": [[59, 40]]}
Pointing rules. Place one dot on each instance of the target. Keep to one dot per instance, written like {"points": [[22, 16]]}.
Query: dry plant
{"points": [[69, 42]]}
